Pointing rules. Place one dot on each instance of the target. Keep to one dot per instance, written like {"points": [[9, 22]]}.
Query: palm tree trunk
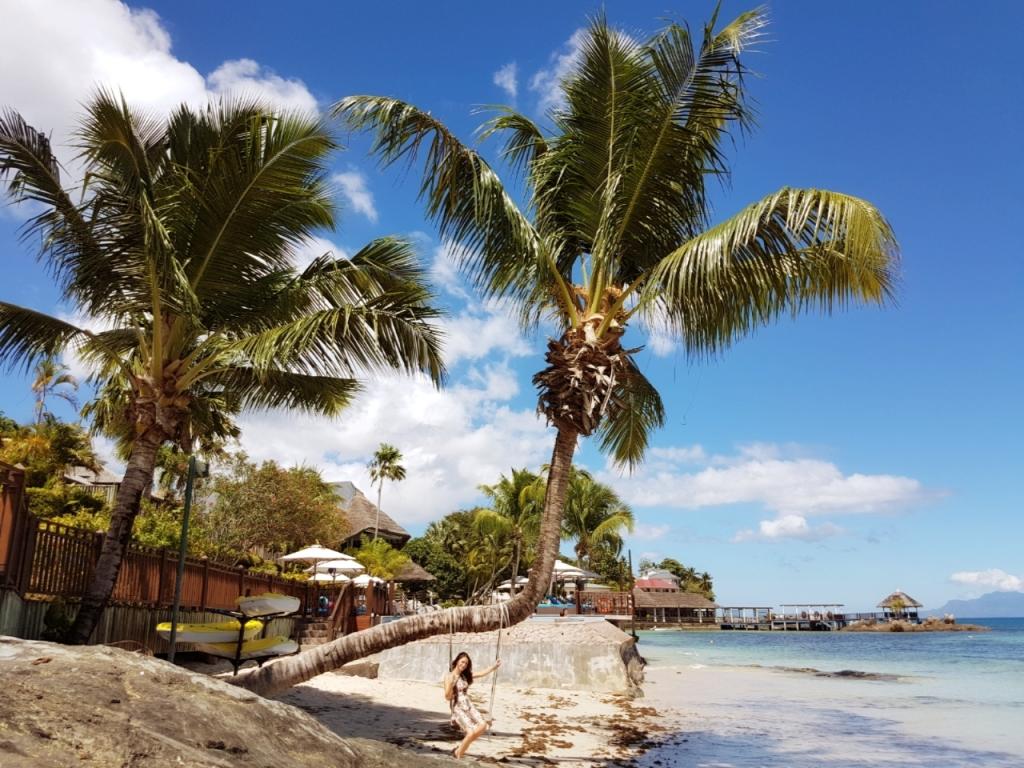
{"points": [[293, 670], [138, 478], [515, 568], [376, 525]]}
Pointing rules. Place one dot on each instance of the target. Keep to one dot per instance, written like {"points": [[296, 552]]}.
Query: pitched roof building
{"points": [[361, 517]]}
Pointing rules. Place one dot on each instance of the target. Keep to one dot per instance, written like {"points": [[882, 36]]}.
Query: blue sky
{"points": [[831, 459]]}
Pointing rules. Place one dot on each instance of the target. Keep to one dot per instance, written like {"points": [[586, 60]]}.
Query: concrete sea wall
{"points": [[573, 653]]}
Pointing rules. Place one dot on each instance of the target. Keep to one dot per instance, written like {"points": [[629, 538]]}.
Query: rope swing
{"points": [[502, 622]]}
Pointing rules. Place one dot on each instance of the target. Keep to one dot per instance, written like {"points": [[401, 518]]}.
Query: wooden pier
{"points": [[793, 617]]}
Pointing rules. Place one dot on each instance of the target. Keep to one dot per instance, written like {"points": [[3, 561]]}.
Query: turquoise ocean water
{"points": [[804, 699]]}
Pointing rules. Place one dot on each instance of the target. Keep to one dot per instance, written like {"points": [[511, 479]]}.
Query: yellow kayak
{"points": [[267, 603], [217, 632], [252, 649]]}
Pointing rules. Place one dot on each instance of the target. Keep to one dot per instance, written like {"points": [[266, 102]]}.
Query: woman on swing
{"points": [[464, 714]]}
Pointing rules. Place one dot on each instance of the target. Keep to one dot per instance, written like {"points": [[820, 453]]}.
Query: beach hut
{"points": [[361, 516], [900, 605]]}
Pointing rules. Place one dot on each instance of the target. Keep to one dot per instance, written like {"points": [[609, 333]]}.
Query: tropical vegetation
{"points": [[617, 232], [181, 239]]}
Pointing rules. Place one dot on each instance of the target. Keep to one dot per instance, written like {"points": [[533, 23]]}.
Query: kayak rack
{"points": [[242, 618]]}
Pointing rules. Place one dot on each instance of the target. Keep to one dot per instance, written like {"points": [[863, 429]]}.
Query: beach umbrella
{"points": [[333, 578], [313, 554], [564, 571], [346, 565], [520, 580], [366, 580]]}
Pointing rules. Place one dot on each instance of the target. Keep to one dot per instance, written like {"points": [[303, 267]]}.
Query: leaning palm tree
{"points": [[49, 377], [594, 516], [182, 239], [515, 509], [385, 465], [617, 232]]}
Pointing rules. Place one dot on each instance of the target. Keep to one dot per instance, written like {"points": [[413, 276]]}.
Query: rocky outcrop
{"points": [[96, 706], [573, 653]]}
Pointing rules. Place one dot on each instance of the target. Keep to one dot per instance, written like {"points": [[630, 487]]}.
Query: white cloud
{"points": [[62, 50], [477, 332], [646, 532], [788, 527], [993, 577], [546, 83], [353, 187], [315, 247], [245, 76], [452, 440], [690, 454], [777, 478], [445, 270], [505, 78], [78, 367], [661, 344]]}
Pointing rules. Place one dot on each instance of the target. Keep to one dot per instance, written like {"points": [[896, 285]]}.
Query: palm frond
{"points": [[524, 141], [27, 336], [626, 435], [499, 247], [793, 251], [262, 389]]}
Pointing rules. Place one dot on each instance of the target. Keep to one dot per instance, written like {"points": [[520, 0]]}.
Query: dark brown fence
{"points": [[59, 561]]}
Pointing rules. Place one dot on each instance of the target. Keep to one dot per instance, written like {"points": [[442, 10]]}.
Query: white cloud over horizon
{"points": [[506, 79], [353, 187], [995, 578], [777, 478], [65, 49]]}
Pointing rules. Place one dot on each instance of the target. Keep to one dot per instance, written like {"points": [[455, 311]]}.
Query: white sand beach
{"points": [[533, 726]]}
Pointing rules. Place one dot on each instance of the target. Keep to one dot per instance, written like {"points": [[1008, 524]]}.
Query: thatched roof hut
{"points": [[361, 517], [899, 599], [413, 572]]}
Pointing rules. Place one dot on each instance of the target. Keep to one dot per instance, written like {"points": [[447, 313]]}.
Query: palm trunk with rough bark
{"points": [[296, 669], [138, 479]]}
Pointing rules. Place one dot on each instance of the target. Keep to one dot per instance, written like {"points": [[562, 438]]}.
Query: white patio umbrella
{"points": [[347, 565], [335, 578], [366, 580], [565, 571], [313, 554], [520, 580]]}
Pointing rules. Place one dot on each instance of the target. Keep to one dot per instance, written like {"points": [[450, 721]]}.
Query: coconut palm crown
{"points": [[182, 241], [617, 228]]}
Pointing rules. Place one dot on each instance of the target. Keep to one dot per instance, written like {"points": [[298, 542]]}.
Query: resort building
{"points": [[657, 598], [361, 517], [103, 483]]}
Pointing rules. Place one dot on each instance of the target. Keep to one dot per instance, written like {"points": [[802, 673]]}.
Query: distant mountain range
{"points": [[994, 605]]}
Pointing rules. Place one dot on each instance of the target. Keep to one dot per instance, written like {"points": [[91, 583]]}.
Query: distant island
{"points": [[994, 605]]}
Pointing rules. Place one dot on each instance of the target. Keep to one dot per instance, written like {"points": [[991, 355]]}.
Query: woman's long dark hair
{"points": [[467, 675]]}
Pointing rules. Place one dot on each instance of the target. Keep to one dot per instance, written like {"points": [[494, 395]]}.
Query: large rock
{"points": [[96, 706], [586, 654]]}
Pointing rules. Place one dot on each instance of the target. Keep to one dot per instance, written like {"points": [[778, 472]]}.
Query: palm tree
{"points": [[49, 376], [594, 516], [385, 466], [182, 237], [618, 230], [515, 509], [380, 558]]}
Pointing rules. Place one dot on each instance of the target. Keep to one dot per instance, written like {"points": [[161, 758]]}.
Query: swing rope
{"points": [[502, 622]]}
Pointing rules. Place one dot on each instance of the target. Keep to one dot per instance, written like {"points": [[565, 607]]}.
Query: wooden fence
{"points": [[607, 603]]}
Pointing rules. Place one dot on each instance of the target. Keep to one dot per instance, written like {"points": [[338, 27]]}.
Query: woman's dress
{"points": [[464, 714]]}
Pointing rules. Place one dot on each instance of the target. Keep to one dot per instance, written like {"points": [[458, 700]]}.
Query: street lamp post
{"points": [[195, 469]]}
